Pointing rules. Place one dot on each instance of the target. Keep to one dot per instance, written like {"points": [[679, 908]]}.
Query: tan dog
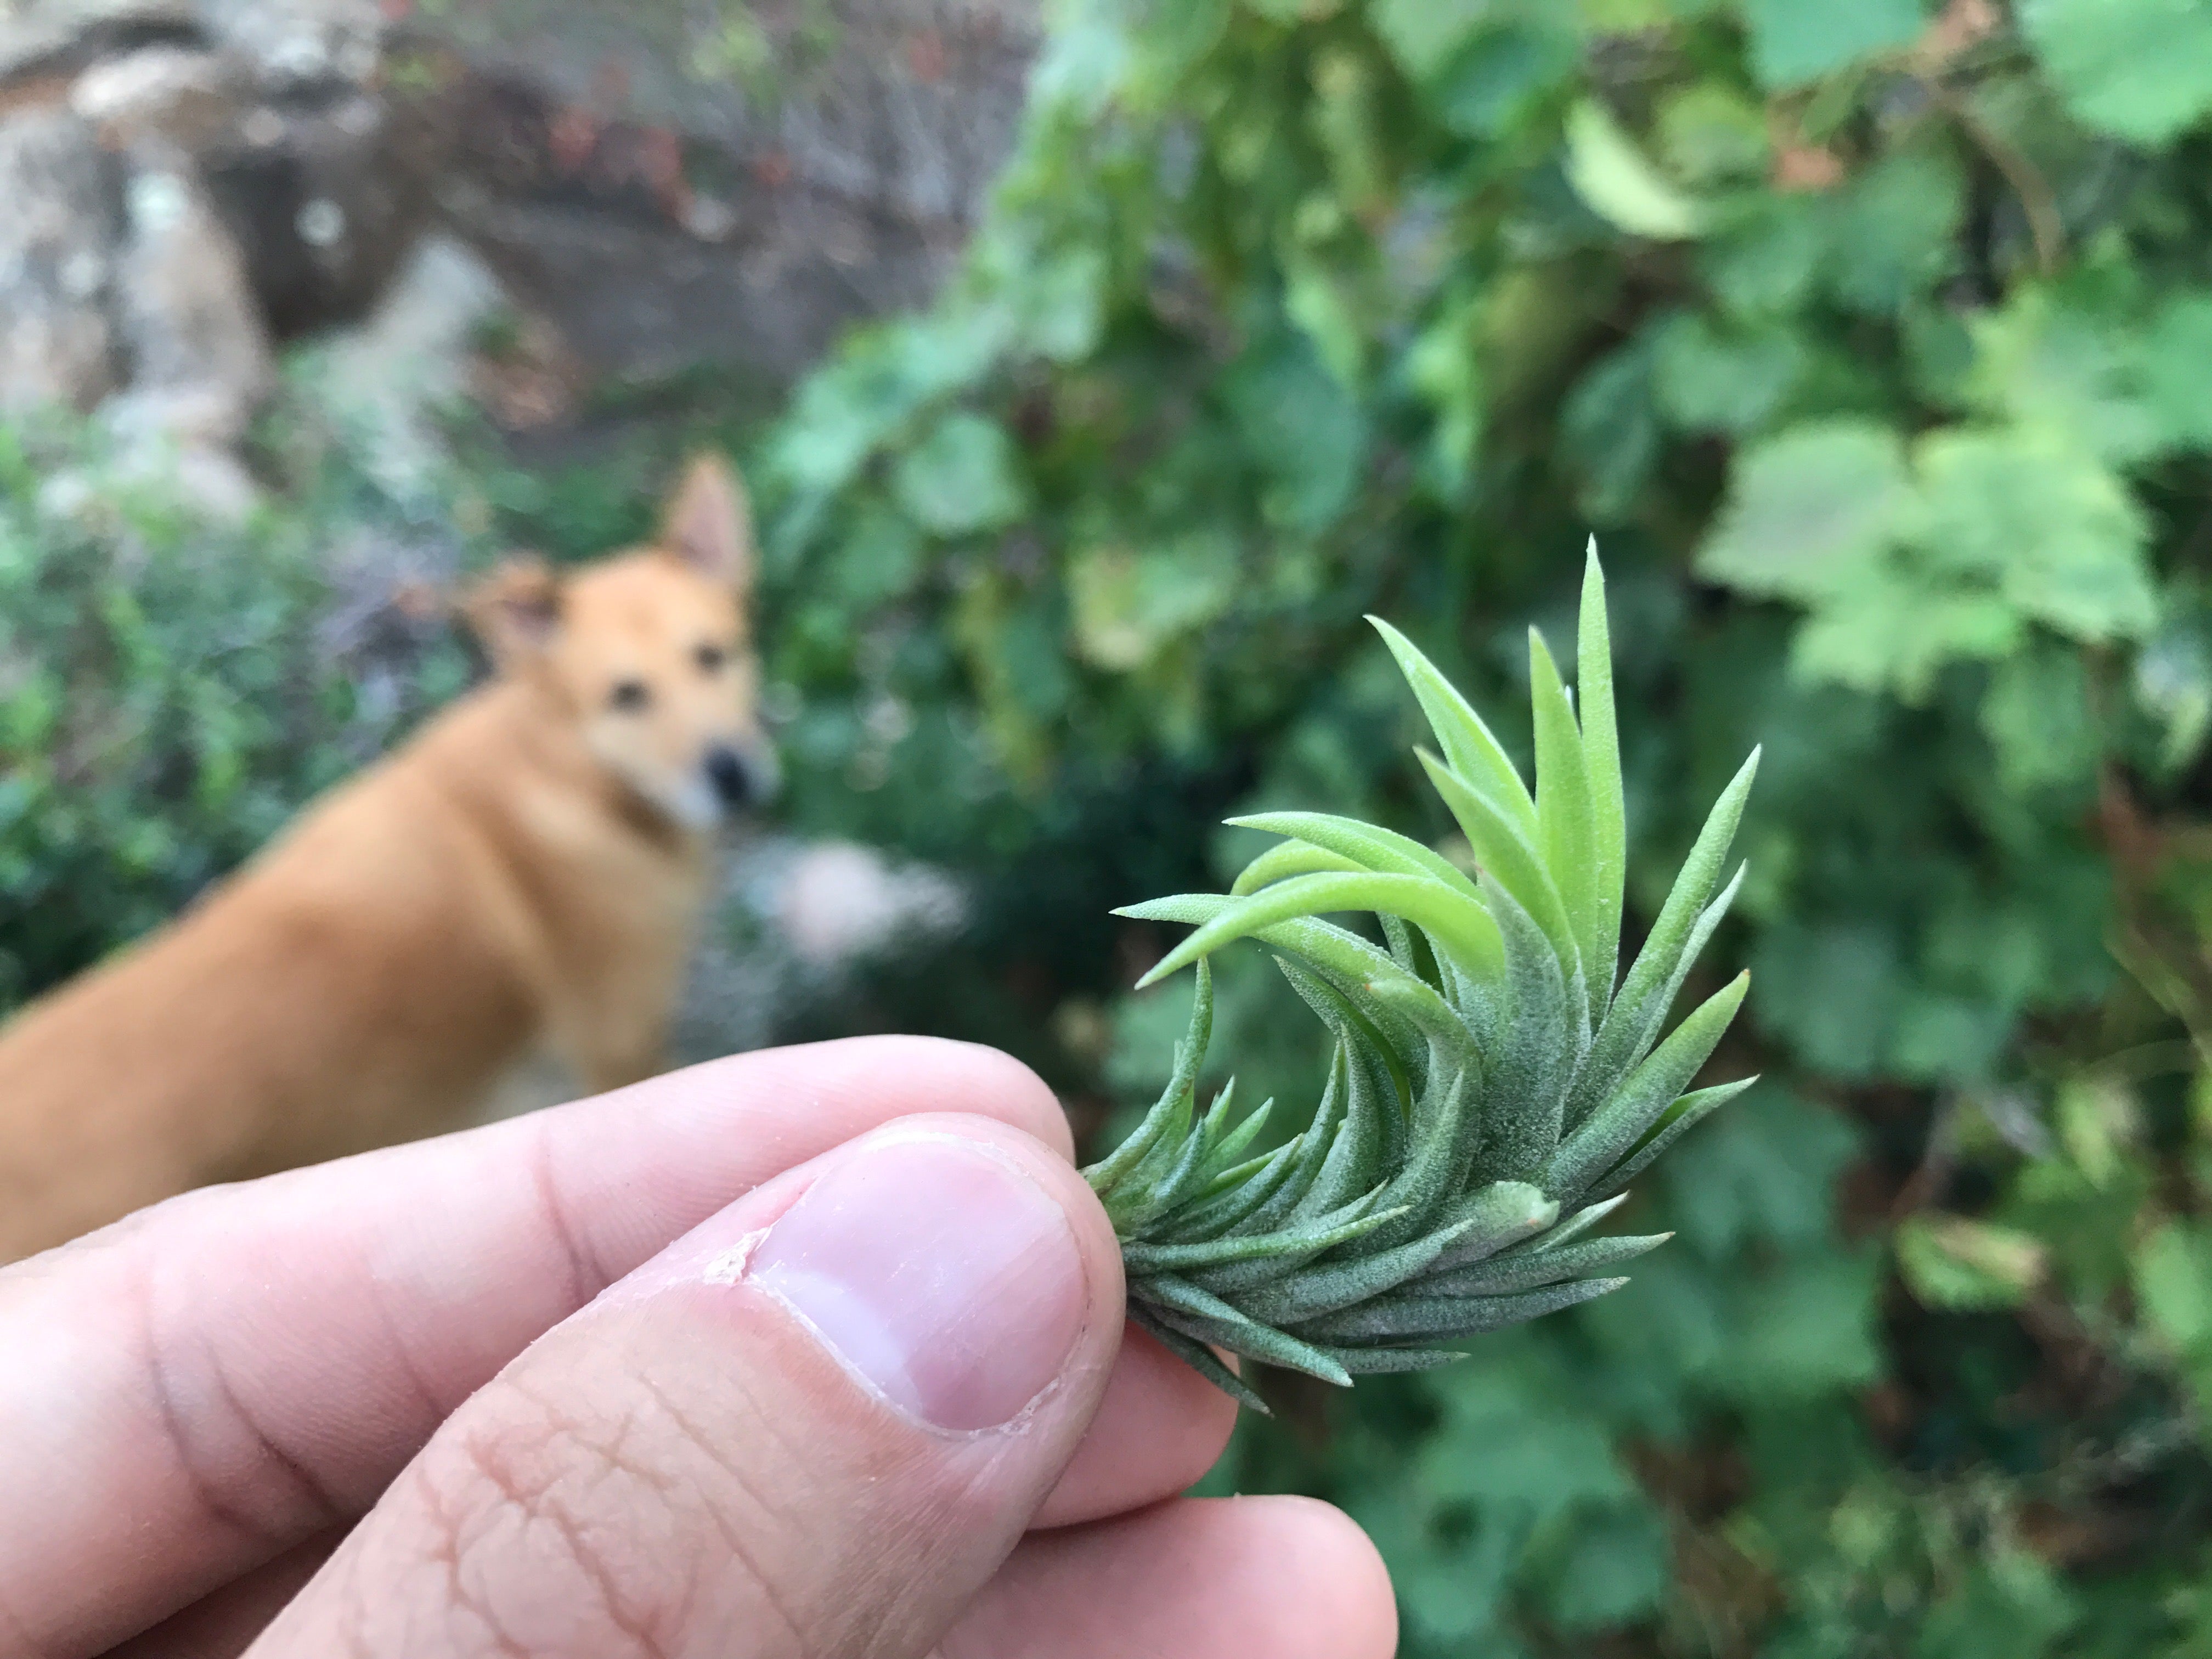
{"points": [[529, 868]]}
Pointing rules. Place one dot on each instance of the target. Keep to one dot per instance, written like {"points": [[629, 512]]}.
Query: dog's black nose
{"points": [[732, 778]]}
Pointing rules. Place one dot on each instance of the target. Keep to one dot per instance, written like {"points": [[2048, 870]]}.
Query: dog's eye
{"points": [[629, 695], [710, 658]]}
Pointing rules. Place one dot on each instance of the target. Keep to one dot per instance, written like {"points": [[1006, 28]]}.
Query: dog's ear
{"points": [[514, 610], [708, 524]]}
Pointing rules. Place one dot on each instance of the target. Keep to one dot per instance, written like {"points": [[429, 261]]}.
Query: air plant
{"points": [[1492, 1090]]}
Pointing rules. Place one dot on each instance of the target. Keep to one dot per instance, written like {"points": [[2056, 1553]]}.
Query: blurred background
{"points": [[1095, 369]]}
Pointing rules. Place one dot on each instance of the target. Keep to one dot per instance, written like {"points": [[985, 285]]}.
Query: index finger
{"points": [[194, 1390]]}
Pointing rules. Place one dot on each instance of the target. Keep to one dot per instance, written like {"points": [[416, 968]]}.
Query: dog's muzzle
{"points": [[740, 779]]}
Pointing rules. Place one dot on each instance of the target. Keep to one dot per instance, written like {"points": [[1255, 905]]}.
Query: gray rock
{"points": [[164, 94], [47, 38], [664, 184], [300, 45], [389, 377], [60, 238], [672, 184], [200, 358]]}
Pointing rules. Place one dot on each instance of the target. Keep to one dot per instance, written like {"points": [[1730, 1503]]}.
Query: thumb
{"points": [[816, 1424]]}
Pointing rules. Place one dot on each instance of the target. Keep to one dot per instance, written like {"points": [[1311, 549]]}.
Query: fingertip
{"points": [[1159, 1428], [971, 1078], [1288, 1577], [1353, 1608], [1026, 1100]]}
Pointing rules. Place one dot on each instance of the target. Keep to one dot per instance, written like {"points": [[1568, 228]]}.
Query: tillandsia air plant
{"points": [[1491, 1091]]}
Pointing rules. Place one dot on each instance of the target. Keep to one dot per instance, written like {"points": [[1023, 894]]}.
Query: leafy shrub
{"points": [[172, 688], [1874, 343]]}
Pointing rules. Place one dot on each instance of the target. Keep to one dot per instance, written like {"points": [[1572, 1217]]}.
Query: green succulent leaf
{"points": [[1492, 1090]]}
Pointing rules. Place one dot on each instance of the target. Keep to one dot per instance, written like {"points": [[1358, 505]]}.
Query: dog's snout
{"points": [[735, 783]]}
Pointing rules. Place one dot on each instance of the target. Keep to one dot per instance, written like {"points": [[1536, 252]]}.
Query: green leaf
{"points": [[2177, 371], [1505, 74], [1711, 134], [2055, 532], [1893, 625], [1301, 429], [1765, 257], [1893, 233], [1407, 1316], [2174, 683], [1686, 922], [1677, 1121], [1304, 1239], [1535, 1270], [2052, 365], [1458, 925], [1807, 508], [1287, 859], [2172, 1274], [2010, 1605], [962, 478], [1955, 1265], [1716, 380], [2141, 70], [1609, 1569], [1793, 41], [1505, 856], [1423, 35], [1805, 1330], [1383, 851], [2036, 716], [1830, 991], [1760, 1182], [1620, 184], [1468, 743], [1608, 869], [1610, 432], [1062, 303], [1293, 11], [1564, 812], [1128, 607], [1611, 1132]]}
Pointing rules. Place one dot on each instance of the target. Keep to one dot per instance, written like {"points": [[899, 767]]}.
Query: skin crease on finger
{"points": [[694, 1457], [1158, 1428], [844, 1528], [1319, 1601], [1282, 1577], [1285, 1578], [228, 1374]]}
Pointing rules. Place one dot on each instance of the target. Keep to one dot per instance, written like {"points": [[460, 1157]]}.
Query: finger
{"points": [[223, 1625], [817, 1426], [1285, 1577], [1159, 1429], [191, 1393]]}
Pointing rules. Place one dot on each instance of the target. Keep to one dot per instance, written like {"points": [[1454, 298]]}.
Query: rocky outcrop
{"points": [[659, 186], [726, 183], [58, 243]]}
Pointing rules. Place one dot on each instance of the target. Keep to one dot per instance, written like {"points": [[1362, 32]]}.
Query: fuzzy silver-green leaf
{"points": [[1492, 1090]]}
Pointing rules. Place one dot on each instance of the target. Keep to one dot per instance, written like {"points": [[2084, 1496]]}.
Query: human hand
{"points": [[749, 1360]]}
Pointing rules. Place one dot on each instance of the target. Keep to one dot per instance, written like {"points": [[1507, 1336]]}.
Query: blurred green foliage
{"points": [[174, 687], [1874, 341]]}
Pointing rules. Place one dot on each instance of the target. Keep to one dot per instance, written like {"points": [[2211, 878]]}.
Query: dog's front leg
{"points": [[604, 1069]]}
